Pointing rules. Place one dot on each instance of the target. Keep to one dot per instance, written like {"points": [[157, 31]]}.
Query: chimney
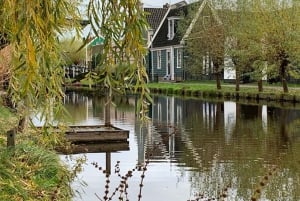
{"points": [[166, 5]]}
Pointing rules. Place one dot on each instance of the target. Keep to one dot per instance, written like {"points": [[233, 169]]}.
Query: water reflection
{"points": [[196, 146]]}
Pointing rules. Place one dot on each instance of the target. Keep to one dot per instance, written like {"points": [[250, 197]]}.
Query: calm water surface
{"points": [[196, 147]]}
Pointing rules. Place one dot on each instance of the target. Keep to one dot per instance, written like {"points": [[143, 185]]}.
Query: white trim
{"points": [[158, 28], [215, 15], [189, 30], [166, 47], [172, 64], [152, 67], [171, 29], [179, 55], [158, 59], [168, 61]]}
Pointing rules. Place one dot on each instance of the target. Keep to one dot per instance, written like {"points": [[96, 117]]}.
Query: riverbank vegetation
{"points": [[32, 170], [208, 89]]}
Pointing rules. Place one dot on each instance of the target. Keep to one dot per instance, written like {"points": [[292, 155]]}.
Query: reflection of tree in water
{"points": [[240, 162], [82, 106]]}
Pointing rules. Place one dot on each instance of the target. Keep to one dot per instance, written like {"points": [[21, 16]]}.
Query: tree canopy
{"points": [[261, 37], [32, 29]]}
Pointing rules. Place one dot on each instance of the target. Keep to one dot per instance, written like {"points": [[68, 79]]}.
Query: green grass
{"points": [[29, 172], [226, 87], [7, 120], [32, 170], [4, 112], [209, 89]]}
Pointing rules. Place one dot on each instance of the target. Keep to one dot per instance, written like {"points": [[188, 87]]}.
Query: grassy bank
{"points": [[208, 90], [31, 170]]}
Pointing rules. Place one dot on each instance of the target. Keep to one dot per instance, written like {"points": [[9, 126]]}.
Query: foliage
{"points": [[263, 37], [4, 63], [31, 173], [7, 121], [122, 64], [32, 28], [280, 24], [71, 51]]}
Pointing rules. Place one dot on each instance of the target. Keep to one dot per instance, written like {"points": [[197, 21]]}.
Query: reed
{"points": [[122, 189]]}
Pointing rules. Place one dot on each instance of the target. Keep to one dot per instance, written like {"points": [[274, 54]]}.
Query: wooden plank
{"points": [[101, 147], [88, 134]]}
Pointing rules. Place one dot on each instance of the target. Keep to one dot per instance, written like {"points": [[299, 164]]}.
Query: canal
{"points": [[195, 148]]}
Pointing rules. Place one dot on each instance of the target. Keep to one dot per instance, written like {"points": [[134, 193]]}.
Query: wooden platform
{"points": [[95, 139], [99, 147], [92, 134]]}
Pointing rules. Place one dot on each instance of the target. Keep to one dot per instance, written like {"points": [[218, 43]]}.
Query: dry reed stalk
{"points": [[5, 62]]}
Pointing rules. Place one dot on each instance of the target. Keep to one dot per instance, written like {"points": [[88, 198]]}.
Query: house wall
{"points": [[178, 72], [159, 74]]}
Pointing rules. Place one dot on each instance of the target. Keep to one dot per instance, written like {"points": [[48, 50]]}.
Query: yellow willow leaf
{"points": [[31, 54]]}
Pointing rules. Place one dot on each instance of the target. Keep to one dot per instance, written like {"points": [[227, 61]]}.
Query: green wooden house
{"points": [[167, 57]]}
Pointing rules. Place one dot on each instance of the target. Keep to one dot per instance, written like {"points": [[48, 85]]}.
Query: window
{"points": [[206, 22], [158, 59], [172, 27], [171, 33], [179, 58]]}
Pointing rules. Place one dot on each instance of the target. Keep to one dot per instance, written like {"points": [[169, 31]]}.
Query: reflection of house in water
{"points": [[172, 115], [157, 139], [81, 104], [85, 109]]}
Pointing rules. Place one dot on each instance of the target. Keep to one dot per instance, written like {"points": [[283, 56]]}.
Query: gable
{"points": [[161, 38], [154, 16], [204, 14]]}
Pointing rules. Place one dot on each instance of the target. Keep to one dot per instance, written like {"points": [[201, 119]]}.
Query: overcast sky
{"points": [[158, 3]]}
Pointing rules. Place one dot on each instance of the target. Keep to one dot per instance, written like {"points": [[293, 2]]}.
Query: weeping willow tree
{"points": [[122, 24], [33, 28]]}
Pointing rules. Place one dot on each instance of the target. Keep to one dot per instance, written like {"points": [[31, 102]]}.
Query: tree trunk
{"points": [[218, 75], [22, 124], [237, 78], [218, 80], [260, 85], [107, 110], [108, 100], [283, 74], [285, 85]]}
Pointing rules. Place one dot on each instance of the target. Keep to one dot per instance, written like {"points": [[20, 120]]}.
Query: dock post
{"points": [[11, 138], [107, 110], [108, 162]]}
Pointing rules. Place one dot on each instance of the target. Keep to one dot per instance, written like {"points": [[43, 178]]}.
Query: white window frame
{"points": [[171, 27], [158, 59], [179, 58], [171, 33]]}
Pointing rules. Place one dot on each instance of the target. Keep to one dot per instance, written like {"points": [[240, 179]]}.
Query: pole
{"points": [[11, 138], [108, 162]]}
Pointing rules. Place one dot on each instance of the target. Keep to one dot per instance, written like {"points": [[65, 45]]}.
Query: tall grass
{"points": [[29, 172]]}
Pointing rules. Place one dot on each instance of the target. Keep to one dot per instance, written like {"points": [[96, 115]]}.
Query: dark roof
{"points": [[154, 16], [161, 39]]}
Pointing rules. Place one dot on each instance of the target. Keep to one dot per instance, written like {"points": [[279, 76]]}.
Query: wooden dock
{"points": [[99, 147], [95, 139], [92, 134]]}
